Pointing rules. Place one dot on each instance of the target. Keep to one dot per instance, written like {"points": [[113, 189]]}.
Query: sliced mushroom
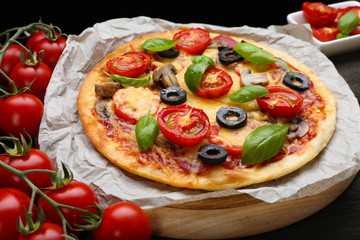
{"points": [[107, 89], [164, 76], [216, 43], [298, 129], [248, 78], [103, 107]]}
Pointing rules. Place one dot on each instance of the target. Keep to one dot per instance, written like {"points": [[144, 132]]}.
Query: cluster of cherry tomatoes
{"points": [[324, 19], [22, 89]]}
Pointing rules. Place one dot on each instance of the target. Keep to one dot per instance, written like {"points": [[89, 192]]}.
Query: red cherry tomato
{"points": [[325, 34], [76, 194], [35, 159], [183, 125], [318, 14], [52, 48], [10, 58], [281, 102], [214, 83], [12, 203], [49, 231], [192, 40], [21, 112], [35, 38], [23, 75], [123, 221], [130, 64]]}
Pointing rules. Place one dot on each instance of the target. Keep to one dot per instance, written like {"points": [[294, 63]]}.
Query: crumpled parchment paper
{"points": [[63, 138]]}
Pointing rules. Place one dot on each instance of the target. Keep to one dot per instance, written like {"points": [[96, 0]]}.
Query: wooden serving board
{"points": [[236, 216]]}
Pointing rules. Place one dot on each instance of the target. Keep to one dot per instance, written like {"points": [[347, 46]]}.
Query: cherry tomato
{"points": [[192, 40], [342, 11], [325, 34], [10, 58], [35, 159], [21, 112], [123, 221], [12, 203], [52, 48], [76, 194], [49, 231], [281, 102], [318, 14], [215, 83], [183, 125], [131, 105], [130, 64], [23, 75]]}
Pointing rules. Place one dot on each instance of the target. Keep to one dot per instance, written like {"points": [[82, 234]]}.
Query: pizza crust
{"points": [[217, 178]]}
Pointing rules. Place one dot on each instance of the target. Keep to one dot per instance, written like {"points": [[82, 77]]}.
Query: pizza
{"points": [[204, 110]]}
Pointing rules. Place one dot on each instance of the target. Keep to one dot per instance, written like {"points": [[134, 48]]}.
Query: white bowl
{"points": [[335, 46]]}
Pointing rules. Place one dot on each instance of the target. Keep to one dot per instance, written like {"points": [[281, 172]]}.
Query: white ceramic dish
{"points": [[332, 47]]}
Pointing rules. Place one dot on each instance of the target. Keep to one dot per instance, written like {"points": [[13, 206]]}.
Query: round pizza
{"points": [[203, 110]]}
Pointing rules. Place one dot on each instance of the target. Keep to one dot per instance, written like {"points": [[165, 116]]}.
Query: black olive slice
{"points": [[289, 81], [173, 96], [228, 56], [171, 53], [231, 117], [212, 154]]}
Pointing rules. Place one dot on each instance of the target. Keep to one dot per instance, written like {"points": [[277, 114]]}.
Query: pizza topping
{"points": [[231, 117], [103, 107], [173, 96], [301, 82], [228, 56], [183, 125], [263, 143], [127, 82], [248, 78], [170, 53], [281, 102], [230, 42], [146, 131], [195, 71], [165, 76], [107, 89], [130, 64], [248, 93], [212, 154], [298, 129], [214, 83], [132, 103], [193, 40]]}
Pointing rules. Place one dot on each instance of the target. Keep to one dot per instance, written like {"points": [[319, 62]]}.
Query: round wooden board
{"points": [[236, 216]]}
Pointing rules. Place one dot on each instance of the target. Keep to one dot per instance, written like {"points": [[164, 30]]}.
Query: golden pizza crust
{"points": [[217, 177]]}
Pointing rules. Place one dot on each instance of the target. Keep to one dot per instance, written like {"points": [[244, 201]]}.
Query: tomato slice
{"points": [[183, 125], [325, 34], [130, 64], [318, 14], [192, 40], [214, 83], [132, 103], [281, 102]]}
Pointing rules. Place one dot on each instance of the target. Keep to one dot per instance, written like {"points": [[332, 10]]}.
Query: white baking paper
{"points": [[63, 138]]}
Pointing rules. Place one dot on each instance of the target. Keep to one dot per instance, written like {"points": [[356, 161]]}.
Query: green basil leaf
{"points": [[195, 71], [146, 131], [203, 59], [248, 93], [257, 55], [263, 143], [158, 44], [127, 82], [348, 23]]}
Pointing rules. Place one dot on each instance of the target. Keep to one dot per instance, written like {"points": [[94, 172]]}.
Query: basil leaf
{"points": [[146, 131], [257, 55], [249, 93], [196, 70], [347, 24], [158, 44], [263, 143], [127, 82]]}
